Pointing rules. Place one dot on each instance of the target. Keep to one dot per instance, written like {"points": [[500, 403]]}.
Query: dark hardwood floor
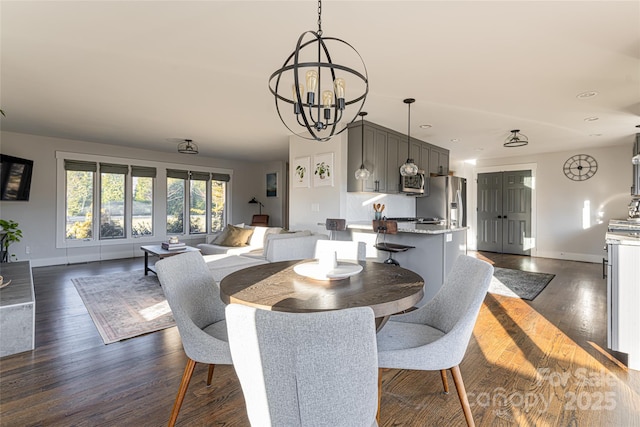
{"points": [[529, 363]]}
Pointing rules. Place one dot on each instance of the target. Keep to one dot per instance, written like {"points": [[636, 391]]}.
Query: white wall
{"points": [[313, 205], [571, 217], [37, 217], [273, 206]]}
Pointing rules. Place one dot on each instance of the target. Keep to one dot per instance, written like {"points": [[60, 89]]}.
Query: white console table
{"points": [[17, 309]]}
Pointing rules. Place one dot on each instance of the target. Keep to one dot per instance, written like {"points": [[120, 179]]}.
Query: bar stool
{"points": [[384, 228], [335, 224]]}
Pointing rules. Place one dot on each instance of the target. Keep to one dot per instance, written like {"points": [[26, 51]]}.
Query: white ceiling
{"points": [[137, 73]]}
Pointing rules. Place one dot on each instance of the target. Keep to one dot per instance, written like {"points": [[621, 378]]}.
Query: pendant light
{"points": [[409, 168], [325, 109], [362, 173], [516, 139]]}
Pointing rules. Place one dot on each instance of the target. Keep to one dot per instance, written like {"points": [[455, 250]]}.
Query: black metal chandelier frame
{"points": [[305, 109]]}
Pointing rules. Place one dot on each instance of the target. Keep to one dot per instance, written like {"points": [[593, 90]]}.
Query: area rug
{"points": [[518, 284], [125, 305]]}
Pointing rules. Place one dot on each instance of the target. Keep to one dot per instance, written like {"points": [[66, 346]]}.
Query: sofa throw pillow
{"points": [[222, 235], [236, 236]]}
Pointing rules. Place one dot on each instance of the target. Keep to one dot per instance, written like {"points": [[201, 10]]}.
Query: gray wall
{"points": [[37, 217]]}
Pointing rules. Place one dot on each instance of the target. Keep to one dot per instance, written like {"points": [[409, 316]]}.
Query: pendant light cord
{"points": [[409, 133], [319, 18]]}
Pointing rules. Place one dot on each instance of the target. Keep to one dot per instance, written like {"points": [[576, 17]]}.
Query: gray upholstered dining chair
{"points": [[435, 336], [345, 249], [302, 369], [194, 298]]}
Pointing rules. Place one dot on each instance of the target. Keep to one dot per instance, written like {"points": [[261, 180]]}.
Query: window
{"points": [[104, 200], [198, 202], [112, 200], [79, 186], [176, 183], [218, 197], [142, 179]]}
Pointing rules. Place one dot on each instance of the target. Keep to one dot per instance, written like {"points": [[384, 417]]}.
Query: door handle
{"points": [[499, 216]]}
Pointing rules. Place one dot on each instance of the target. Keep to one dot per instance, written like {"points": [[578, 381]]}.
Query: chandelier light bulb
{"points": [[312, 85], [295, 95], [327, 98], [339, 86]]}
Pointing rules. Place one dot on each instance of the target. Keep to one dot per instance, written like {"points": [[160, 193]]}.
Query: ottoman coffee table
{"points": [[158, 251]]}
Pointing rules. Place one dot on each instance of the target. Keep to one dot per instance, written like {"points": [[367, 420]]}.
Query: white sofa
{"points": [[254, 244], [277, 247]]}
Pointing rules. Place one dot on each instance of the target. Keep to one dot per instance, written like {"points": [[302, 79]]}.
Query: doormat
{"points": [[125, 305], [518, 283]]}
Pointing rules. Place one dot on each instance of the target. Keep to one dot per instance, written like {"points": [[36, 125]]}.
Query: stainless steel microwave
{"points": [[413, 184]]}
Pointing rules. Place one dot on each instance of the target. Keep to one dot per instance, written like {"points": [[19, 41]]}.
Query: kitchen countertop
{"points": [[407, 227], [622, 238]]}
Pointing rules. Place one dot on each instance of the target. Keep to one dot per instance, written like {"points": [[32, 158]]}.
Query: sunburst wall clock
{"points": [[580, 167]]}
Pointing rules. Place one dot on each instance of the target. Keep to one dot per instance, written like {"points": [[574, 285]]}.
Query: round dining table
{"points": [[387, 289]]}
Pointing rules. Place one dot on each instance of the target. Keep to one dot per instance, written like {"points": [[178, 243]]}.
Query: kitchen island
{"points": [[435, 249], [623, 294]]}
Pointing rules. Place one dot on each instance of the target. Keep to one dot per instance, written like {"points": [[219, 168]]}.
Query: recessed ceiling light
{"points": [[587, 94], [479, 149], [590, 119], [425, 126], [455, 140]]}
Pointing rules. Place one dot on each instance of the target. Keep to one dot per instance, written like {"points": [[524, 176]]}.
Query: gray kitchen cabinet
{"points": [[384, 151], [393, 162], [375, 155], [438, 161], [425, 156]]}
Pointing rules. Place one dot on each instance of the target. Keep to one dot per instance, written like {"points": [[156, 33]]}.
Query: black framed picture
{"points": [[272, 184]]}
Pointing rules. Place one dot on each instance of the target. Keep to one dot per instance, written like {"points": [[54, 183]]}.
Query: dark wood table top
{"points": [[387, 289]]}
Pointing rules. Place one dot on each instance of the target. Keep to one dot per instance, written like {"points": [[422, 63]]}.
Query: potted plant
{"points": [[322, 170], [10, 233]]}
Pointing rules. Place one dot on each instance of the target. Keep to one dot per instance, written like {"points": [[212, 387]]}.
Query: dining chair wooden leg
{"points": [[445, 384], [462, 394], [210, 374], [379, 394], [184, 384]]}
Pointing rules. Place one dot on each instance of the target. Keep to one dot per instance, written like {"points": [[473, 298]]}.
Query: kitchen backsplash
{"points": [[360, 205]]}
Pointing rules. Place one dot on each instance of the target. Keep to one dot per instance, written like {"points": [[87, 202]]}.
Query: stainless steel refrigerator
{"points": [[447, 200]]}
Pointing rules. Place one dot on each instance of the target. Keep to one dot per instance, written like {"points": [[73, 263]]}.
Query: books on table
{"points": [[173, 246]]}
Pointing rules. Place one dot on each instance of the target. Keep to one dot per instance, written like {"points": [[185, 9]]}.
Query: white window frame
{"points": [[159, 202]]}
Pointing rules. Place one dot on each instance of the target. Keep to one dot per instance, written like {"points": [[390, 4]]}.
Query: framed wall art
{"points": [[272, 184], [300, 171], [323, 170]]}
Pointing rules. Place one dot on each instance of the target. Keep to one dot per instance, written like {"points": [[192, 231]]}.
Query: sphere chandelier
{"points": [[325, 109]]}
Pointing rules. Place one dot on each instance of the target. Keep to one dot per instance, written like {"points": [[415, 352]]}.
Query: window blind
{"points": [[175, 173], [79, 165], [143, 171], [114, 168], [221, 177]]}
